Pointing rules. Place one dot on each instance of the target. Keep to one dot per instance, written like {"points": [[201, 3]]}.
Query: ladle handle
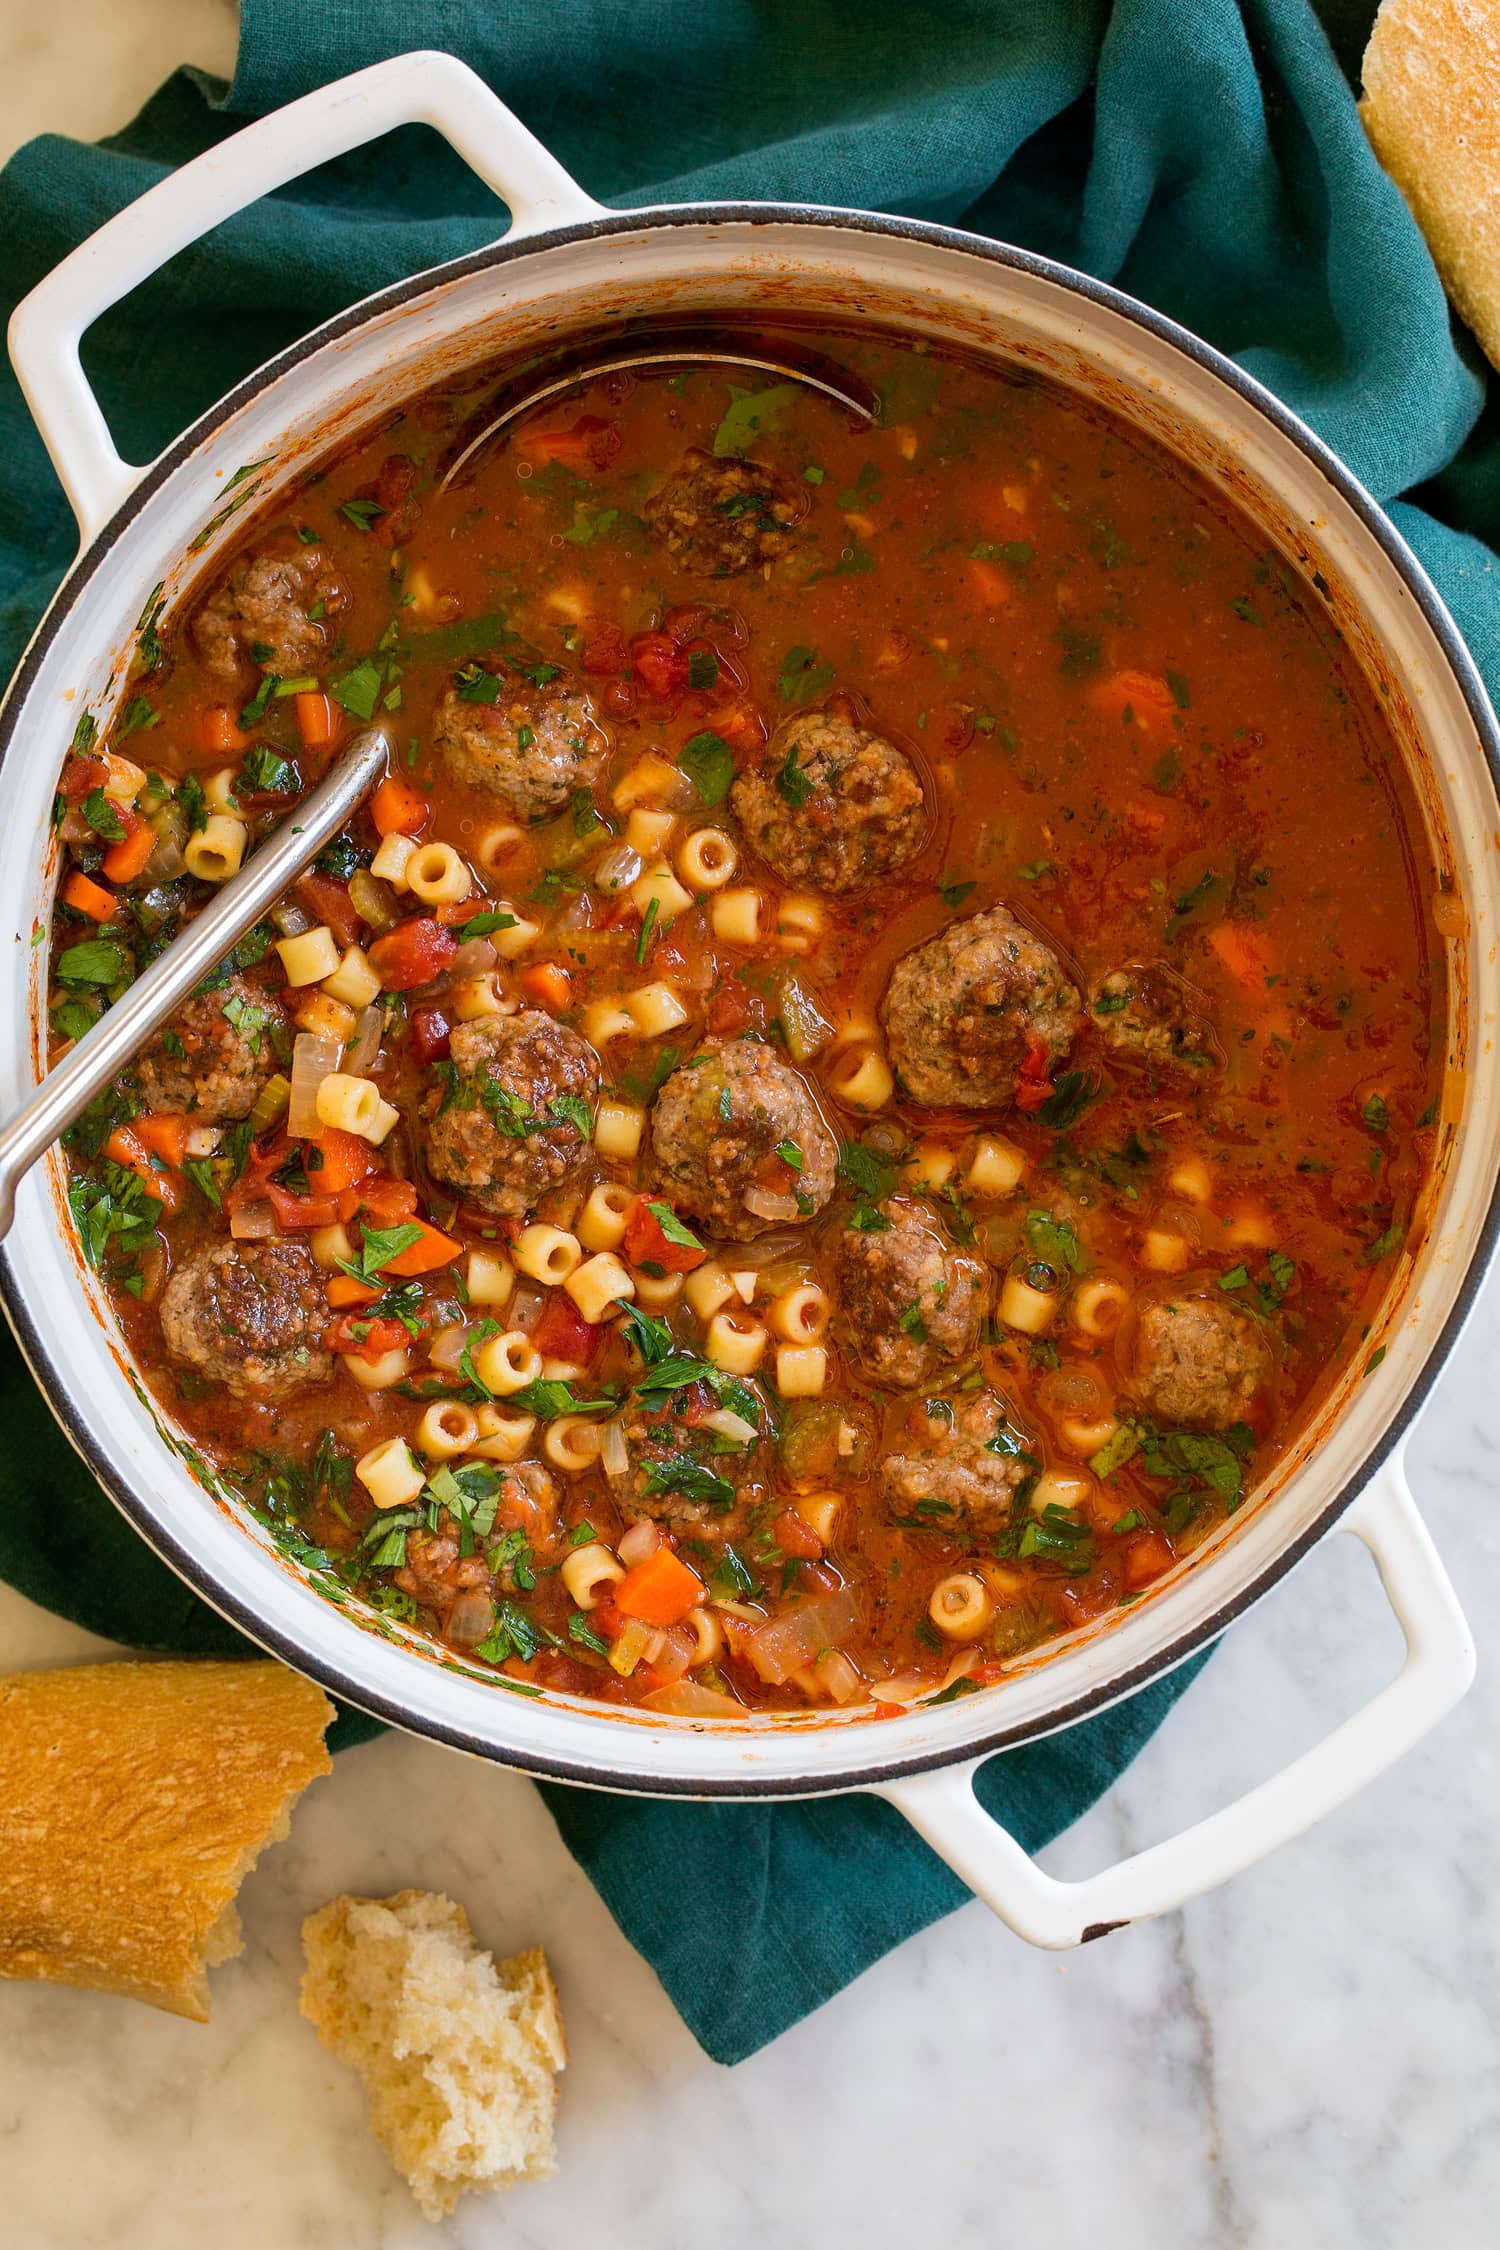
{"points": [[103, 1051]]}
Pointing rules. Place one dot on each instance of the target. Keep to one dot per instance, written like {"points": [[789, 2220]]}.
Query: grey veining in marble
{"points": [[1309, 2060]]}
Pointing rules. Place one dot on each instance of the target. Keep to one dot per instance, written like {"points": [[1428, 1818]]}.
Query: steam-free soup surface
{"points": [[876, 1048]]}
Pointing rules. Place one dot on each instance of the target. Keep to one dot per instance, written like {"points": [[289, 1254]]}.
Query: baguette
{"points": [[459, 2053], [1432, 110], [134, 1799]]}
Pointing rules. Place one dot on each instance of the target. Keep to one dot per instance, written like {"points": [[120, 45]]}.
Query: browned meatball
{"points": [[1146, 1015], [261, 613], [249, 1315], [514, 1114], [1198, 1361], [738, 1141], [684, 1478], [533, 746], [908, 1305], [833, 805], [963, 1472], [717, 517], [965, 1012], [213, 1058]]}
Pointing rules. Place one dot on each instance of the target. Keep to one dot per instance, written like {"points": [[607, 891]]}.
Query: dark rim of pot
{"points": [[862, 1771]]}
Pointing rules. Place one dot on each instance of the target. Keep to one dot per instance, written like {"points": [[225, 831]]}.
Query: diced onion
{"points": [[731, 1426], [473, 958], [910, 1687], [364, 1045], [679, 1645], [836, 1676], [525, 1309], [784, 1644], [641, 1540], [470, 1619], [252, 1222], [765, 1205], [314, 1058], [614, 1453], [618, 868], [166, 862], [290, 920], [447, 1347], [688, 1699]]}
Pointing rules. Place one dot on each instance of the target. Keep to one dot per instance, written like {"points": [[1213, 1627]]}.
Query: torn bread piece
{"points": [[134, 1799], [1431, 107], [459, 2052]]}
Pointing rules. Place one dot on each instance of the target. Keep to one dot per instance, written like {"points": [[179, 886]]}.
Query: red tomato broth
{"points": [[1135, 728]]}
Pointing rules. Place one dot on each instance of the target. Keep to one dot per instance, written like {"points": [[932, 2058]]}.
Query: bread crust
{"points": [[1431, 107], [134, 1798]]}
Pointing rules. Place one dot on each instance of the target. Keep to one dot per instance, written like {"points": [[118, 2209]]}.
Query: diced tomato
{"points": [[85, 896], [548, 983], [385, 1199], [327, 900], [399, 807], [660, 665], [127, 859], [1245, 953], [739, 724], [648, 1244], [687, 622], [603, 648], [563, 1333], [796, 1538], [431, 1250], [1140, 698], [606, 1618], [365, 1339], [1145, 1558], [660, 1591], [218, 730], [317, 719], [337, 1160], [1033, 1086], [126, 1147], [296, 1214], [165, 1133], [588, 443], [429, 1031], [988, 584], [80, 776], [730, 1009], [412, 953]]}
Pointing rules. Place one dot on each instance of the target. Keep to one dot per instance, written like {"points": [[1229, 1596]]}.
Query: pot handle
{"points": [[418, 89], [1437, 1671]]}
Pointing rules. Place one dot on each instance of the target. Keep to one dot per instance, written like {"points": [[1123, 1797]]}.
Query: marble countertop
{"points": [[1306, 2061]]}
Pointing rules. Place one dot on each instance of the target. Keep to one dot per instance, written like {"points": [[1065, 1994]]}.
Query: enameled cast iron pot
{"points": [[568, 266]]}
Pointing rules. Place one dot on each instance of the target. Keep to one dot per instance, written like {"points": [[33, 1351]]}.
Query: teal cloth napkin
{"points": [[1207, 158]]}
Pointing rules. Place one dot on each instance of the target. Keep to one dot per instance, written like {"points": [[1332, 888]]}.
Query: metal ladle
{"points": [[97, 1058], [846, 399]]}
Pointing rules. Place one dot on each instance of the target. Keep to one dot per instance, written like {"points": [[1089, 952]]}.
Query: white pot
{"points": [[568, 265]]}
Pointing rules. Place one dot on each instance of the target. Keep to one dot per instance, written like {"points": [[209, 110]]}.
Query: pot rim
{"points": [[51, 1376]]}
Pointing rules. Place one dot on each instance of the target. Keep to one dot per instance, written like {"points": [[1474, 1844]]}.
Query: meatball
{"points": [[513, 1116], [717, 517], [212, 1060], [1198, 1361], [533, 746], [1146, 1015], [908, 1306], [261, 613], [686, 1479], [963, 1472], [968, 1011], [833, 805], [249, 1315], [739, 1141]]}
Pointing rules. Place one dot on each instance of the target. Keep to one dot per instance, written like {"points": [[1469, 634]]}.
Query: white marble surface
{"points": [[1308, 2061]]}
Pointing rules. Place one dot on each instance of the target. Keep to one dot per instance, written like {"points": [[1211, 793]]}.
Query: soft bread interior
{"points": [[459, 2052]]}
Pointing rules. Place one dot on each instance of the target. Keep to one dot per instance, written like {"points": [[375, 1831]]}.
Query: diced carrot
{"points": [[1144, 696], [399, 807], [344, 1290], [338, 1160], [86, 896], [317, 718], [387, 1200], [165, 1133], [431, 1250], [218, 729], [548, 983], [738, 724], [1145, 1558], [990, 586], [126, 1148], [127, 859], [660, 1591], [1244, 951]]}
